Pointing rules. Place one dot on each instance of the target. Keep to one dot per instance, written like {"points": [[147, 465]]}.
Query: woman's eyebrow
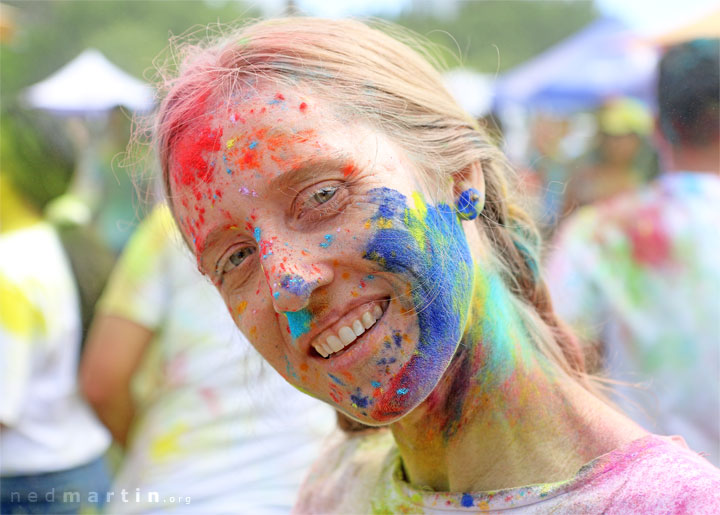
{"points": [[310, 168]]}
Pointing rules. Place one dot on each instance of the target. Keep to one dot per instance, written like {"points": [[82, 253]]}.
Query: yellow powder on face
{"points": [[384, 223]]}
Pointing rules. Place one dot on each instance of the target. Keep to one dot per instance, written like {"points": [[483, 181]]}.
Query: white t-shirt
{"points": [[214, 424], [46, 425]]}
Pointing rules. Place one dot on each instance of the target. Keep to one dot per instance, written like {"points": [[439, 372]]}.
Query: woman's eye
{"points": [[237, 258], [324, 194]]}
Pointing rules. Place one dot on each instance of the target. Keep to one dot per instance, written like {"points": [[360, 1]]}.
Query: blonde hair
{"points": [[392, 86]]}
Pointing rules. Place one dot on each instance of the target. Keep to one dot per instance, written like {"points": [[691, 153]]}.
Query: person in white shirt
{"points": [[51, 444]]}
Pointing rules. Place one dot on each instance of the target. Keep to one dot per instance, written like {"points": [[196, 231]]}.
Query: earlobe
{"points": [[469, 191]]}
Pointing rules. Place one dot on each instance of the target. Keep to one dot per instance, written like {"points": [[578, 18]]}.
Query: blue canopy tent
{"points": [[602, 61]]}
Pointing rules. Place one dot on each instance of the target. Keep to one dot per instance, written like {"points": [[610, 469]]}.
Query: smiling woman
{"points": [[360, 227]]}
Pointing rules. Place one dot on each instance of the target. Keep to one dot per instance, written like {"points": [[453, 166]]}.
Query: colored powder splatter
{"points": [[427, 245], [348, 169], [258, 234], [336, 379], [359, 400], [328, 241], [467, 205], [467, 501], [402, 391], [295, 285], [253, 145], [375, 384], [278, 98], [191, 153], [298, 322], [303, 107]]}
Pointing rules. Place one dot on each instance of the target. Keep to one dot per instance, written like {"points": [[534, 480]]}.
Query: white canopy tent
{"points": [[472, 90], [89, 84]]}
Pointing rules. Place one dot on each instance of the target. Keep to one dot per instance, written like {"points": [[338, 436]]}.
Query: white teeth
{"points": [[367, 320], [334, 343], [346, 335], [377, 311], [358, 328]]}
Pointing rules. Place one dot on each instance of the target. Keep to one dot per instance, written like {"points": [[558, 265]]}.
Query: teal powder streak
{"points": [[299, 322]]}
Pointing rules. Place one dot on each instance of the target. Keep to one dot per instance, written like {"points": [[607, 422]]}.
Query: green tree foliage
{"points": [[494, 35], [35, 155], [129, 33]]}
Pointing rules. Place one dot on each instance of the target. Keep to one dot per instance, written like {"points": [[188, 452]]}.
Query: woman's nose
{"points": [[292, 276]]}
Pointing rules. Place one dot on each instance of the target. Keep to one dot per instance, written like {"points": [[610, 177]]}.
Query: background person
{"points": [[638, 274], [621, 159], [311, 166], [51, 445], [180, 388]]}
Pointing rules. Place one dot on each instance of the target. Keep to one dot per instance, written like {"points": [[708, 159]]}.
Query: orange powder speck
{"points": [[348, 169], [241, 307], [253, 331], [304, 367], [367, 224], [354, 293], [345, 275]]}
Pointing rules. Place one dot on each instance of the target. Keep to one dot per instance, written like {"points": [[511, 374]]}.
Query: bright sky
{"points": [[645, 15]]}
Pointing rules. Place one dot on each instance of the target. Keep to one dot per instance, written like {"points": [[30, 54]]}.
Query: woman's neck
{"points": [[503, 416]]}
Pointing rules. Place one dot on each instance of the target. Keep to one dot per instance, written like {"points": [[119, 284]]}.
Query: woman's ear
{"points": [[470, 177]]}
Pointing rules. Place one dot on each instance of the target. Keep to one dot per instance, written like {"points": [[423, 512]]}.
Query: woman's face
{"points": [[316, 232]]}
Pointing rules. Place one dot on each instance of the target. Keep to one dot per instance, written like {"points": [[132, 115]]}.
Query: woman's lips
{"points": [[346, 331]]}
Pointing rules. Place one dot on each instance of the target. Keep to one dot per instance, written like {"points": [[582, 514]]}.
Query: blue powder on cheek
{"points": [[437, 272], [433, 255], [257, 234], [299, 322]]}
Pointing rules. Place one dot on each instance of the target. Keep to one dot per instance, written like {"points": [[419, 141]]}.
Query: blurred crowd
{"points": [[109, 334]]}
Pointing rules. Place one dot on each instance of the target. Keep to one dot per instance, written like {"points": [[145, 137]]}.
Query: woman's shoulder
{"points": [[345, 476], [650, 475]]}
